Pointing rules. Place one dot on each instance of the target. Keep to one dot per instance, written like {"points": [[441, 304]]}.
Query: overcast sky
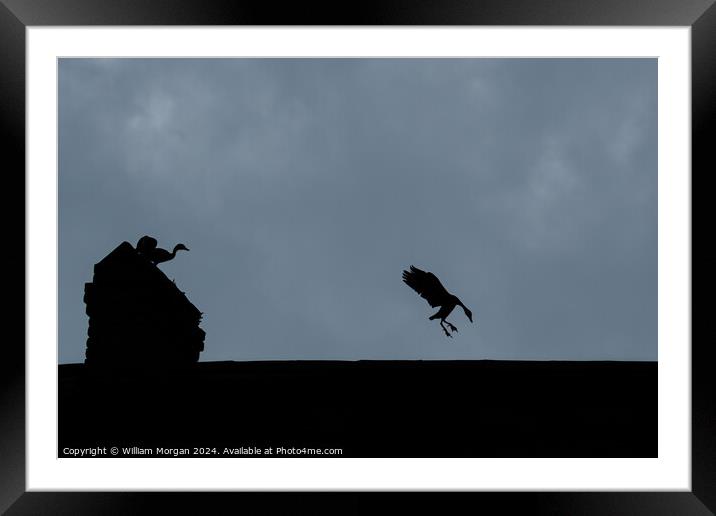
{"points": [[303, 188]]}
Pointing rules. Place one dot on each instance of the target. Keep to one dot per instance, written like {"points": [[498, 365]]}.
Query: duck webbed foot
{"points": [[447, 333]]}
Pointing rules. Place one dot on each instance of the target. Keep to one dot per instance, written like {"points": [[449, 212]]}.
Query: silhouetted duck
{"points": [[429, 287], [160, 255]]}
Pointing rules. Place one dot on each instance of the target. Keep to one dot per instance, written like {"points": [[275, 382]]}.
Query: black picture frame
{"points": [[17, 15]]}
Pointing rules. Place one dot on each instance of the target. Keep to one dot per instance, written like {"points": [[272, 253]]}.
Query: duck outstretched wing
{"points": [[427, 285]]}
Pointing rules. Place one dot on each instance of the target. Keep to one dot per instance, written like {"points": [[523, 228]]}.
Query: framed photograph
{"points": [[434, 250]]}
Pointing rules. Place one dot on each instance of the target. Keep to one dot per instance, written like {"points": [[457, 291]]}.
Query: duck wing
{"points": [[146, 244], [427, 285]]}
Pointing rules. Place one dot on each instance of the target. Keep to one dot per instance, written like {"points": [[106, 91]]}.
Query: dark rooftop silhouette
{"points": [[369, 408], [137, 315]]}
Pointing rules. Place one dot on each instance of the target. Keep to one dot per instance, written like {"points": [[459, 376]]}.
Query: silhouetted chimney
{"points": [[138, 316]]}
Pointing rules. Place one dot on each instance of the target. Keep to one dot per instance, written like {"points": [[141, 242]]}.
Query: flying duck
{"points": [[429, 287]]}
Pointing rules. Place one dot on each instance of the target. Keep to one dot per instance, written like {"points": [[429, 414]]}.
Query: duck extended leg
{"points": [[452, 328], [447, 333]]}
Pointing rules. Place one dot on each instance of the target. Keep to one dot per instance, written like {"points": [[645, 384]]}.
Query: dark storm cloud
{"points": [[304, 187]]}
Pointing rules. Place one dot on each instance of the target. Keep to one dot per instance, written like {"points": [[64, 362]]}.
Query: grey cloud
{"points": [[304, 187]]}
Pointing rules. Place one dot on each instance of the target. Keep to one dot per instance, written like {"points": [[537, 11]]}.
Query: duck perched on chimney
{"points": [[147, 247], [160, 255], [137, 315]]}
